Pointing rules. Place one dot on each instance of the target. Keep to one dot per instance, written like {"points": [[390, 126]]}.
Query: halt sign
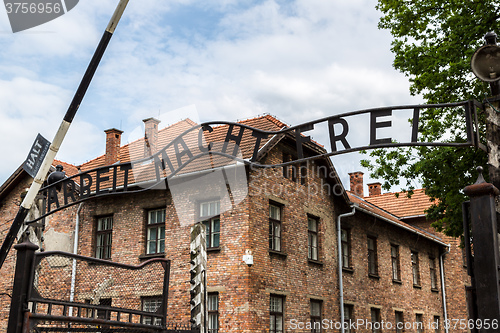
{"points": [[36, 155]]}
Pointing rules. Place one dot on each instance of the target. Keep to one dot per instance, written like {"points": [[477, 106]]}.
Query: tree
{"points": [[434, 41]]}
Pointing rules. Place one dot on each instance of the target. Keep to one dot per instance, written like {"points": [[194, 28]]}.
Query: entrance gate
{"points": [[63, 292]]}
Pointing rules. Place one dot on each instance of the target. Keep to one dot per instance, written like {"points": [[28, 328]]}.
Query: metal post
{"points": [[198, 276], [19, 302], [486, 251]]}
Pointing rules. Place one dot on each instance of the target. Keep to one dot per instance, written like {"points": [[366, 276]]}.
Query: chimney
{"points": [[356, 182], [374, 189], [150, 136], [113, 139]]}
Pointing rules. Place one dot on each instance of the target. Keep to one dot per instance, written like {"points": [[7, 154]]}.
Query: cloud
{"points": [[299, 60]]}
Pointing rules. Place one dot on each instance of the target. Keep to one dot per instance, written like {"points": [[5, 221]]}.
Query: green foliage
{"points": [[434, 41]]}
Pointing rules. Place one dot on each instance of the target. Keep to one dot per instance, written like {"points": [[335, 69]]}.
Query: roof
{"points": [[367, 207], [402, 206]]}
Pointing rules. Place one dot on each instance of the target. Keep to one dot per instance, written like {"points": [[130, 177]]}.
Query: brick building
{"points": [[392, 263]]}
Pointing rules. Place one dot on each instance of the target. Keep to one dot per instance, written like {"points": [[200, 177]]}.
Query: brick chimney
{"points": [[150, 136], [374, 189], [113, 141], [356, 182]]}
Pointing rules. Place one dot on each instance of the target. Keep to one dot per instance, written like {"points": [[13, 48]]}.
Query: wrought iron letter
{"points": [[85, 185], [52, 198], [200, 139], [334, 138], [374, 125], [259, 136], [126, 167], [160, 164], [300, 139], [235, 138], [99, 179], [185, 150], [69, 193]]}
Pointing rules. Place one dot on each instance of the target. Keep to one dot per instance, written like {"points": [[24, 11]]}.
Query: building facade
{"points": [[390, 268]]}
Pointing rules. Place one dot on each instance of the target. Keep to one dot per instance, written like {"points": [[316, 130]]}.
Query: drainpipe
{"points": [[445, 311], [339, 250], [75, 251]]}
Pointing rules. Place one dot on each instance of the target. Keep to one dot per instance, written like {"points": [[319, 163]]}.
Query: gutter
{"points": [[445, 310], [339, 250], [401, 226]]}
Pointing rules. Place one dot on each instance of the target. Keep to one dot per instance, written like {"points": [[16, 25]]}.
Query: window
{"points": [[276, 314], [436, 324], [315, 316], [372, 256], [375, 320], [313, 238], [348, 317], [400, 322], [155, 232], [419, 321], [211, 210], [415, 268], [213, 312], [345, 236], [104, 237], [151, 304], [432, 270], [274, 227], [396, 275]]}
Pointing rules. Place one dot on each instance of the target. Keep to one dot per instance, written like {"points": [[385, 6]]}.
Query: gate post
{"points": [[486, 251], [18, 304]]}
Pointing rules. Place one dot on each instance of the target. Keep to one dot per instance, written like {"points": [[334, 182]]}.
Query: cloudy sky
{"points": [[211, 60]]}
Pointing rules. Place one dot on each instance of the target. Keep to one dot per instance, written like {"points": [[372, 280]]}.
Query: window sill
{"points": [[96, 263], [435, 290], [213, 249], [397, 281], [349, 270], [417, 286], [315, 262], [278, 253], [151, 256], [373, 276]]}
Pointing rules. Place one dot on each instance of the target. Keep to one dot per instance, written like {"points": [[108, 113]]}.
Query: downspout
{"points": [[339, 250], [445, 311], [75, 251]]}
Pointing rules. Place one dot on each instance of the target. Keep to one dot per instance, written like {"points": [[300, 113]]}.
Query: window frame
{"points": [[415, 268], [103, 251], [433, 273], [315, 318], [347, 244], [212, 218], [437, 324], [311, 234], [378, 319], [158, 299], [372, 256], [395, 263], [419, 321], [275, 242], [157, 226], [213, 313], [276, 314], [348, 308], [399, 320]]}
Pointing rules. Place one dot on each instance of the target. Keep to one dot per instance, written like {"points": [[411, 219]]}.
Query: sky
{"points": [[207, 60]]}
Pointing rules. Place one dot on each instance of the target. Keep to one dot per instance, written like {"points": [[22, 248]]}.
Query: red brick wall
{"points": [[244, 292]]}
